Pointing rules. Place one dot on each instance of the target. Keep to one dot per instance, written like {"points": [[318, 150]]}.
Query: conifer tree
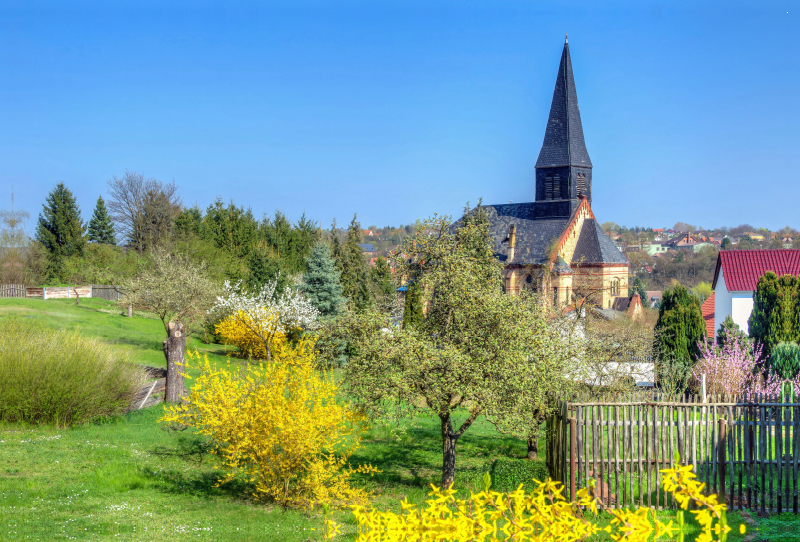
{"points": [[321, 282], [264, 268], [354, 269], [101, 229], [776, 304], [381, 276], [60, 229], [680, 327], [412, 312]]}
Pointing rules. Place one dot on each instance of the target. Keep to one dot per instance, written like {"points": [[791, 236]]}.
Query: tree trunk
{"points": [[130, 310], [533, 449], [448, 452], [174, 350]]}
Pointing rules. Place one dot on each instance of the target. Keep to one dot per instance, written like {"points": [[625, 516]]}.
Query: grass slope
{"points": [[130, 480]]}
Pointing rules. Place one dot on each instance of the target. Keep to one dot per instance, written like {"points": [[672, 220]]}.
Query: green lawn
{"points": [[131, 480]]}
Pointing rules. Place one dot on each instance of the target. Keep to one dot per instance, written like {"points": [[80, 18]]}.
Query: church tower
{"points": [[563, 170]]}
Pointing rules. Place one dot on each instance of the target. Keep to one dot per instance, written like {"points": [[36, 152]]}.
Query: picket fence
{"points": [[12, 290], [745, 451]]}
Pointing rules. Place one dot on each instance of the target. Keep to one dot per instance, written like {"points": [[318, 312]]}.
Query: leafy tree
{"points": [[60, 230], [679, 329], [703, 290], [353, 267], [13, 244], [101, 230], [785, 360], [381, 278], [776, 311], [477, 352], [321, 282], [746, 243], [726, 244]]}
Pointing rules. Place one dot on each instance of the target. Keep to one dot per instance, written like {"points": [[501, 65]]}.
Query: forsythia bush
{"points": [[543, 515], [240, 330], [278, 423]]}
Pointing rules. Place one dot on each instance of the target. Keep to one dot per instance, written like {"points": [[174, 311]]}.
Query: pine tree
{"points": [[680, 327], [101, 229], [60, 229], [776, 307], [321, 282], [264, 268], [354, 269]]}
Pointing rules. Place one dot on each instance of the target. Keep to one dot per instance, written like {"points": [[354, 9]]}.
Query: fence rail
{"points": [[59, 292], [747, 452], [105, 291]]}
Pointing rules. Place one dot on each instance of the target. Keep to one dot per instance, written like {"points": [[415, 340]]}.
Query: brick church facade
{"points": [[555, 245]]}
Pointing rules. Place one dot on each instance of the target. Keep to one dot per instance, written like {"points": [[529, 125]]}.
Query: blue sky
{"points": [[398, 110]]}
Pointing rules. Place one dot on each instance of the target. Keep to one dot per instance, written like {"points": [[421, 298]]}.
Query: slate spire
{"points": [[563, 138]]}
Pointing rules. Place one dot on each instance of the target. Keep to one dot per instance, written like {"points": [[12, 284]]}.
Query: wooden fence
{"points": [[746, 452], [105, 291], [12, 290]]}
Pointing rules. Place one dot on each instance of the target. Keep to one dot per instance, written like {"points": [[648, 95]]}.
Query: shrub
{"points": [[508, 474], [785, 360], [242, 332], [278, 424], [60, 377]]}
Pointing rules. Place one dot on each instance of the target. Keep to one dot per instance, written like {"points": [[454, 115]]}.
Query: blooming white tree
{"points": [[265, 314]]}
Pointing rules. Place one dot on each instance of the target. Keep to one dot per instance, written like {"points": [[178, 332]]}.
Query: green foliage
{"points": [[726, 244], [638, 287], [785, 360], [412, 313], [507, 474], [60, 377], [98, 261], [60, 230], [263, 268], [381, 278], [101, 230], [776, 311], [703, 290], [729, 332], [354, 269], [680, 327], [321, 281]]}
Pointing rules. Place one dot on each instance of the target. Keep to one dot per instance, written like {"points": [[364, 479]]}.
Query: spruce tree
{"points": [[101, 229], [321, 282], [776, 304], [730, 333], [354, 268], [60, 229], [680, 327], [264, 268]]}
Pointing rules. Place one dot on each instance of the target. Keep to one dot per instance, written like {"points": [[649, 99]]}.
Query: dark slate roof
{"points": [[561, 267], [534, 237], [563, 138], [367, 247], [594, 246]]}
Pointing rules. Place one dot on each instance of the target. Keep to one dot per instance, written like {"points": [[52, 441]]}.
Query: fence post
{"points": [[721, 459], [573, 450]]}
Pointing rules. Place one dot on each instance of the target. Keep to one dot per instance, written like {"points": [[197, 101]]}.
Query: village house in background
{"points": [[555, 245], [736, 277]]}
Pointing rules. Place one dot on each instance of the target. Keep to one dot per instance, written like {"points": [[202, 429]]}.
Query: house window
{"points": [[555, 295], [548, 187], [615, 287], [557, 187], [581, 184]]}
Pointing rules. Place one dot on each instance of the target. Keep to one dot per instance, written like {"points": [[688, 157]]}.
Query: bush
{"points": [[508, 474], [240, 330], [60, 377], [785, 360], [280, 425]]}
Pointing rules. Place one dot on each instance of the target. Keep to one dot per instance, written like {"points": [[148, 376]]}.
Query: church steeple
{"points": [[563, 170]]}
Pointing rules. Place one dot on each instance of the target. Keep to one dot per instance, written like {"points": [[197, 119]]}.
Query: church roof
{"points": [[594, 246], [533, 237], [563, 138]]}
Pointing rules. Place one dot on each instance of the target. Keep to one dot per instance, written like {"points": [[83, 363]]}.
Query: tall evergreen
{"points": [[776, 311], [101, 229], [412, 312], [354, 268], [321, 282], [680, 327], [381, 277], [638, 287], [263, 268], [60, 229]]}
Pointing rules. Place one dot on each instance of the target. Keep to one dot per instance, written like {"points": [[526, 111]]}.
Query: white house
{"points": [[736, 278]]}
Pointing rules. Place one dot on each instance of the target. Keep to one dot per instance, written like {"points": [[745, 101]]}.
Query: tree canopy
{"points": [[60, 229], [101, 229]]}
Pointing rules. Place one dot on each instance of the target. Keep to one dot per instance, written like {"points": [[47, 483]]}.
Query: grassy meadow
{"points": [[125, 478]]}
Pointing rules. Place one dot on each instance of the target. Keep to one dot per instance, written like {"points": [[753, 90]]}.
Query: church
{"points": [[555, 245]]}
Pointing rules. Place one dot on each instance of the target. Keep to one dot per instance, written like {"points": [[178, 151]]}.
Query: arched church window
{"points": [[548, 187], [557, 187], [581, 184], [615, 287]]}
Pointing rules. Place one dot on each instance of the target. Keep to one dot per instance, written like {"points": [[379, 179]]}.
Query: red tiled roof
{"points": [[743, 267], [708, 315]]}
